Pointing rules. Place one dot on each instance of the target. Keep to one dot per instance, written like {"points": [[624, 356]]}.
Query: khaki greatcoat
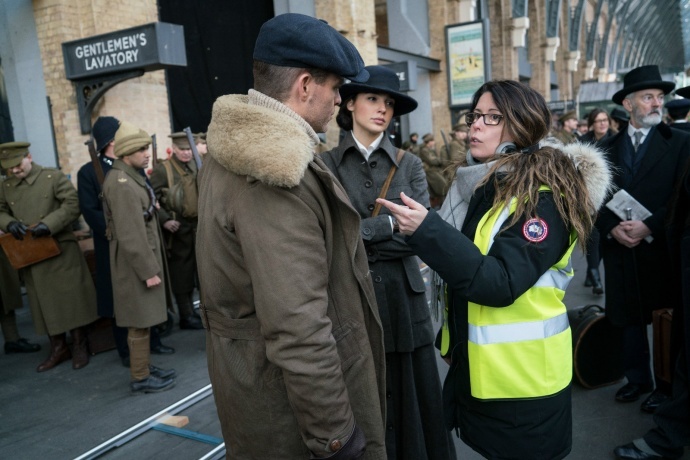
{"points": [[60, 290], [135, 249], [295, 346]]}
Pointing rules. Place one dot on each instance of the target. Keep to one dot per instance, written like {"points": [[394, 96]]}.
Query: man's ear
{"points": [[302, 86], [627, 104]]}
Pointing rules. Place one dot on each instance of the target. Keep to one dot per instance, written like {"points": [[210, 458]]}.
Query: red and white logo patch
{"points": [[535, 230]]}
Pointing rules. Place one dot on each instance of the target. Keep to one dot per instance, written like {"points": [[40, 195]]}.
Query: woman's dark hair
{"points": [[527, 118], [344, 117], [591, 118]]}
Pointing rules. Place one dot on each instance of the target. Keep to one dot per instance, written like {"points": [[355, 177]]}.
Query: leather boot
{"points": [[59, 352], [185, 307], [80, 355], [597, 288]]}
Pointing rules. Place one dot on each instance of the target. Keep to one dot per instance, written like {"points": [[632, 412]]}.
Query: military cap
{"points": [[297, 40], [461, 127], [428, 137], [567, 116], [130, 139], [199, 138], [678, 104], [104, 130], [12, 153], [180, 140]]}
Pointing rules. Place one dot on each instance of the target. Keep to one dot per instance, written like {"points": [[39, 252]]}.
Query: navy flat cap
{"points": [[297, 40], [678, 104]]}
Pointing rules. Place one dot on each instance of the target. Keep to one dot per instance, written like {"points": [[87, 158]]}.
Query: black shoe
{"points": [[631, 452], [161, 373], [631, 392], [191, 322], [151, 384], [21, 346], [595, 278], [653, 401], [162, 350], [588, 281], [125, 360]]}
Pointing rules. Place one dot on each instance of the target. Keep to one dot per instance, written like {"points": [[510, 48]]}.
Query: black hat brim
{"points": [[665, 86], [684, 92], [404, 104]]}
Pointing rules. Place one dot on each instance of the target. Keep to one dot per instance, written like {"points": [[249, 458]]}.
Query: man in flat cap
{"points": [[568, 121], [178, 217], [294, 342], [136, 256], [60, 289], [91, 206], [647, 159], [678, 113]]}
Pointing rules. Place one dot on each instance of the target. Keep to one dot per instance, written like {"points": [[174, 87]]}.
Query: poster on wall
{"points": [[469, 60]]}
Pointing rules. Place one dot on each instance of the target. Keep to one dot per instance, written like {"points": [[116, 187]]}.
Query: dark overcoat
{"points": [[179, 245], [60, 289], [91, 208], [401, 297], [294, 343], [10, 289], [135, 249], [638, 279]]}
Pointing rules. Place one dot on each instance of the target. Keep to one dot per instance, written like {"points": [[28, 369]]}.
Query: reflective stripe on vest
{"points": [[523, 350]]}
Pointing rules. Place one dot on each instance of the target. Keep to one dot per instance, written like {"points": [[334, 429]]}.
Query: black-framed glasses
{"points": [[491, 119]]}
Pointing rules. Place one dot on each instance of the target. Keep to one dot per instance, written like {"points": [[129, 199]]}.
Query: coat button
{"points": [[370, 253], [366, 231], [370, 207], [336, 445], [368, 184], [377, 279], [372, 164]]}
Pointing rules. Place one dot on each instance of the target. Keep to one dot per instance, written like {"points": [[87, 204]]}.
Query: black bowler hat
{"points": [[620, 114], [381, 80], [297, 40], [104, 130], [685, 91], [644, 77]]}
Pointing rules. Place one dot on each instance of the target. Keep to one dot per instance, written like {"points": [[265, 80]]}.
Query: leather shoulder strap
{"points": [[387, 183]]}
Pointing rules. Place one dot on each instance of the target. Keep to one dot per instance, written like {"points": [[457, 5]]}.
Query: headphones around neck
{"points": [[506, 147]]}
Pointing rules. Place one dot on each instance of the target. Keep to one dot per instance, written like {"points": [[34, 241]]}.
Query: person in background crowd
{"points": [[671, 434], [200, 141], [414, 146], [91, 207], [599, 126], [678, 112], [582, 128], [566, 134], [502, 245], [457, 149], [180, 230], [136, 256], [433, 166], [619, 120], [647, 159], [282, 265], [412, 385], [38, 202]]}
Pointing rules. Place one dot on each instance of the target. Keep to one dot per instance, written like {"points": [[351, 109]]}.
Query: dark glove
{"points": [[40, 230], [354, 448], [17, 229]]}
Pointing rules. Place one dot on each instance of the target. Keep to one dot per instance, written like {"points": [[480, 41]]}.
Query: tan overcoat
{"points": [[295, 345], [60, 290], [135, 249]]}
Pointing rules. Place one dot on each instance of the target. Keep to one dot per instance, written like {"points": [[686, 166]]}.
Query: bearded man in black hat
{"points": [[648, 158], [91, 207]]}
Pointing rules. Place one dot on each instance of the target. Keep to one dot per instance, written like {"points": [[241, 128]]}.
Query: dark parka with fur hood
{"points": [[294, 343]]}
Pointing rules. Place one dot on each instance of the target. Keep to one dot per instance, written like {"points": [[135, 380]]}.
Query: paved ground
{"points": [[63, 413]]}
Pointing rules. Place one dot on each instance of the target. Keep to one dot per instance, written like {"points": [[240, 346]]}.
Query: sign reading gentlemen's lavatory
{"points": [[148, 47]]}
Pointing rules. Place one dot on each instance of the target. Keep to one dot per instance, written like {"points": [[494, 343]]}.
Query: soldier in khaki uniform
{"points": [[568, 123], [179, 233], [60, 289], [457, 149], [135, 255], [433, 166]]}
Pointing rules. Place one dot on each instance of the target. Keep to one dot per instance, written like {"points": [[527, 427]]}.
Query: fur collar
{"points": [[590, 161], [257, 136]]}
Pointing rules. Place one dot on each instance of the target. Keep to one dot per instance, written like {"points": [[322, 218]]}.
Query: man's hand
{"points": [[622, 236], [17, 229], [39, 230], [635, 229], [153, 282], [409, 217], [172, 226]]}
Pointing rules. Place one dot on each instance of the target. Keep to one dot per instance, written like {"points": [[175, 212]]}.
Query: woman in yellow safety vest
{"points": [[501, 247]]}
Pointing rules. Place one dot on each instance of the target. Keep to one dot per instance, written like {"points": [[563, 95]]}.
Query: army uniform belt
{"points": [[239, 329]]}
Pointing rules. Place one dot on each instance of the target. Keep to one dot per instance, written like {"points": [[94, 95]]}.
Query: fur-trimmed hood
{"points": [[590, 161], [257, 136]]}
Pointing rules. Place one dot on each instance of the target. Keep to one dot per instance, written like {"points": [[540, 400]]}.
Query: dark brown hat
{"points": [[644, 77]]}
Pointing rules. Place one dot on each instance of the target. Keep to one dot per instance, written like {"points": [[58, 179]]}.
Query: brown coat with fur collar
{"points": [[294, 343]]}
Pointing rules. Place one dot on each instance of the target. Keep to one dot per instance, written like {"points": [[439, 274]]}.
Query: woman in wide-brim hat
{"points": [[362, 162]]}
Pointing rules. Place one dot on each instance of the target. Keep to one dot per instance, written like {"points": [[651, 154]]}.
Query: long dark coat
{"points": [[294, 343], [91, 208], [135, 249], [412, 384], [60, 289], [638, 279], [180, 245], [10, 289]]}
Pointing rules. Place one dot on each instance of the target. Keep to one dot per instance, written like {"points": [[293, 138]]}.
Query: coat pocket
{"points": [[348, 346]]}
